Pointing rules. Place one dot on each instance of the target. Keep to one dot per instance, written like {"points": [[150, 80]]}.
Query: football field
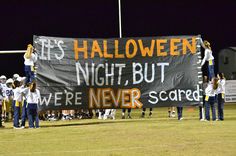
{"points": [[157, 136]]}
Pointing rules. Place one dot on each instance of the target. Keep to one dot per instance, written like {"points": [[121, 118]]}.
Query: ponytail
{"points": [[215, 83]]}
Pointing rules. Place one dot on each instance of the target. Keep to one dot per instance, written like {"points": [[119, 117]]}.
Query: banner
{"points": [[140, 72], [230, 91]]}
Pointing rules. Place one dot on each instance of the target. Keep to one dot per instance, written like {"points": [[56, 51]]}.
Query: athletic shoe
{"points": [[143, 115], [52, 119], [105, 117], [202, 119], [16, 128], [129, 117], [22, 127], [180, 119], [150, 114], [123, 117], [173, 114]]}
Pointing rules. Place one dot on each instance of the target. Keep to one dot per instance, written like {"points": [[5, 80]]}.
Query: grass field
{"points": [[157, 136]]}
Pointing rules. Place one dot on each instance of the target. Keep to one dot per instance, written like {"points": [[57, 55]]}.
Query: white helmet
{"points": [[3, 77], [19, 79], [15, 76], [9, 81]]}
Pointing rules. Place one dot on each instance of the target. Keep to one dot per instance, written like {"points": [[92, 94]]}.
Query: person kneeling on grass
{"points": [[32, 96]]}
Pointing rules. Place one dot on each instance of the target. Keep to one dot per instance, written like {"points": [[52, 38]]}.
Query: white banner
{"points": [[230, 91]]}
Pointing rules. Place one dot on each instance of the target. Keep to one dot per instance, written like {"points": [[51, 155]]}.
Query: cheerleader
{"points": [[210, 92], [221, 96], [32, 96], [208, 57], [30, 59]]}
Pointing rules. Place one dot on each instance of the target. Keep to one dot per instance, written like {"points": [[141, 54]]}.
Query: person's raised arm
{"points": [[205, 57], [28, 51]]}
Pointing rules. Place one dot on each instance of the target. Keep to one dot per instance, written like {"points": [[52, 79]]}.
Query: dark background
{"points": [[215, 21]]}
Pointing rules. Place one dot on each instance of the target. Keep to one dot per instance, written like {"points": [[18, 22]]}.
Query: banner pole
{"points": [[12, 51], [120, 28]]}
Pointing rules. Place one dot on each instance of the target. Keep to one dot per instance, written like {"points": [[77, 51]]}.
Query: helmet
{"points": [[9, 81], [3, 77], [15, 76], [19, 79]]}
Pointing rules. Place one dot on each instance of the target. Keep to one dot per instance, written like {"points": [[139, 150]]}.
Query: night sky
{"points": [[215, 21]]}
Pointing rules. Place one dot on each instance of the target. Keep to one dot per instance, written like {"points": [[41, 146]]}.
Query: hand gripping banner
{"points": [[138, 72]]}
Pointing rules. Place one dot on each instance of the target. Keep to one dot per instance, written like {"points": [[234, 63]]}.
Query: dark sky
{"points": [[215, 21]]}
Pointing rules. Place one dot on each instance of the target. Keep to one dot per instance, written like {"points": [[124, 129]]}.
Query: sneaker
{"points": [[105, 117], [150, 114], [68, 117], [202, 119], [100, 118], [129, 117], [173, 114], [16, 127], [52, 119], [143, 115], [123, 117], [22, 127], [63, 117], [180, 119]]}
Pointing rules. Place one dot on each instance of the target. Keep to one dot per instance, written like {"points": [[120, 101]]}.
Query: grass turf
{"points": [[158, 135]]}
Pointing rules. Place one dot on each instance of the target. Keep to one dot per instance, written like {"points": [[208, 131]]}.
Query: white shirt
{"points": [[31, 60], [31, 97], [209, 91], [221, 86], [207, 56], [17, 94]]}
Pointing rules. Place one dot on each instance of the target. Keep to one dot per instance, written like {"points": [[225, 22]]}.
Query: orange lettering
{"points": [[83, 49]]}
